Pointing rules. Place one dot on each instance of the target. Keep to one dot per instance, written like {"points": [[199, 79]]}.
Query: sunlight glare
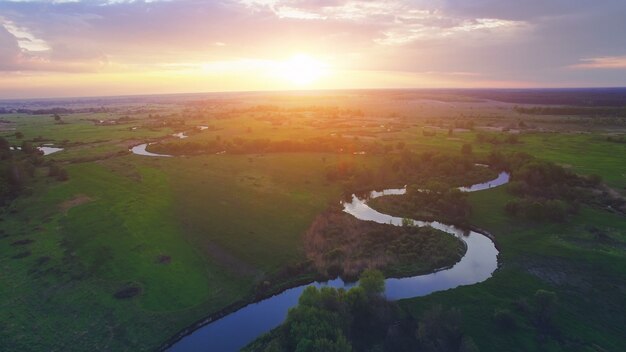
{"points": [[303, 70]]}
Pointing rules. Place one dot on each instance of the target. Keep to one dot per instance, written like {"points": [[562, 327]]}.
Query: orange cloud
{"points": [[606, 62]]}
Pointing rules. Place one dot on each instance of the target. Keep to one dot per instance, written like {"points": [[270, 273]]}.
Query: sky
{"points": [[115, 47]]}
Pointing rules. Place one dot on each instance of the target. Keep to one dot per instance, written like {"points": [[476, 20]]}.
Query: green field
{"points": [[587, 276], [195, 234]]}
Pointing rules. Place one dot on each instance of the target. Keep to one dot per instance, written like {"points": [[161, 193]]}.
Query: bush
{"points": [[58, 173], [466, 149], [127, 291], [28, 148], [21, 255], [440, 330], [539, 209], [22, 242], [373, 282], [594, 179], [504, 319], [546, 305]]}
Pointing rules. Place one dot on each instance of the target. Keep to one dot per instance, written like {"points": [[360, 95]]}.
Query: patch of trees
{"points": [[22, 254], [172, 121], [17, 169], [41, 139], [546, 191], [340, 245], [332, 111], [539, 312], [548, 180], [357, 178], [497, 139], [52, 111], [571, 110], [286, 276], [432, 200], [404, 167], [449, 203], [15, 172], [539, 209], [129, 290], [57, 172], [448, 169], [464, 124], [429, 133], [616, 139], [360, 319], [260, 145], [572, 97]]}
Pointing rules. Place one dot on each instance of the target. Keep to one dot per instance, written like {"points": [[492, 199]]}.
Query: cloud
{"points": [[500, 40], [607, 62], [9, 50], [25, 40], [527, 10]]}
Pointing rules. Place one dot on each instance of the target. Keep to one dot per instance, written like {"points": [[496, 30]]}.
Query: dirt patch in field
{"points": [[229, 261], [74, 202], [163, 259], [559, 272], [129, 143], [611, 197]]}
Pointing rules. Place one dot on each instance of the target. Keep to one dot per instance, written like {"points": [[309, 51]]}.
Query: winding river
{"points": [[46, 149], [141, 150], [236, 330]]}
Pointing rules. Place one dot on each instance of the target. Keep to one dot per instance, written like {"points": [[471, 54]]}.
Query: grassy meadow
{"points": [[189, 236]]}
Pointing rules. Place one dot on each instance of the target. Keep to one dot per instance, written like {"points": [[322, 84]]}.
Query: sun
{"points": [[302, 70]]}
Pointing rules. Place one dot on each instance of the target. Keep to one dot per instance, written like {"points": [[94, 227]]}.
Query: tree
{"points": [[466, 149], [407, 222], [546, 302], [57, 117], [5, 146], [28, 148], [595, 179], [504, 319], [373, 282], [58, 173], [440, 330]]}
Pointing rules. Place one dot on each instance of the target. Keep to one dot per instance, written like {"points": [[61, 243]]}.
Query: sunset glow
{"points": [[302, 70], [74, 48]]}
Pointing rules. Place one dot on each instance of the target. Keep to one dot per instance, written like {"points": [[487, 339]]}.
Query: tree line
{"points": [[18, 166]]}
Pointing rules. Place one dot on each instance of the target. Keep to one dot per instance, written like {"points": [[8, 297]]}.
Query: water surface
{"points": [[141, 150], [49, 150], [180, 135]]}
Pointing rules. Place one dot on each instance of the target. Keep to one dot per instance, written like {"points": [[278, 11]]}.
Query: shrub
{"points": [[127, 291], [21, 255], [58, 173], [546, 305], [22, 242], [466, 149], [504, 319], [373, 282]]}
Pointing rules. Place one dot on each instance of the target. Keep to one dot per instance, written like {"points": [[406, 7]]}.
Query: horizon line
{"points": [[312, 91]]}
